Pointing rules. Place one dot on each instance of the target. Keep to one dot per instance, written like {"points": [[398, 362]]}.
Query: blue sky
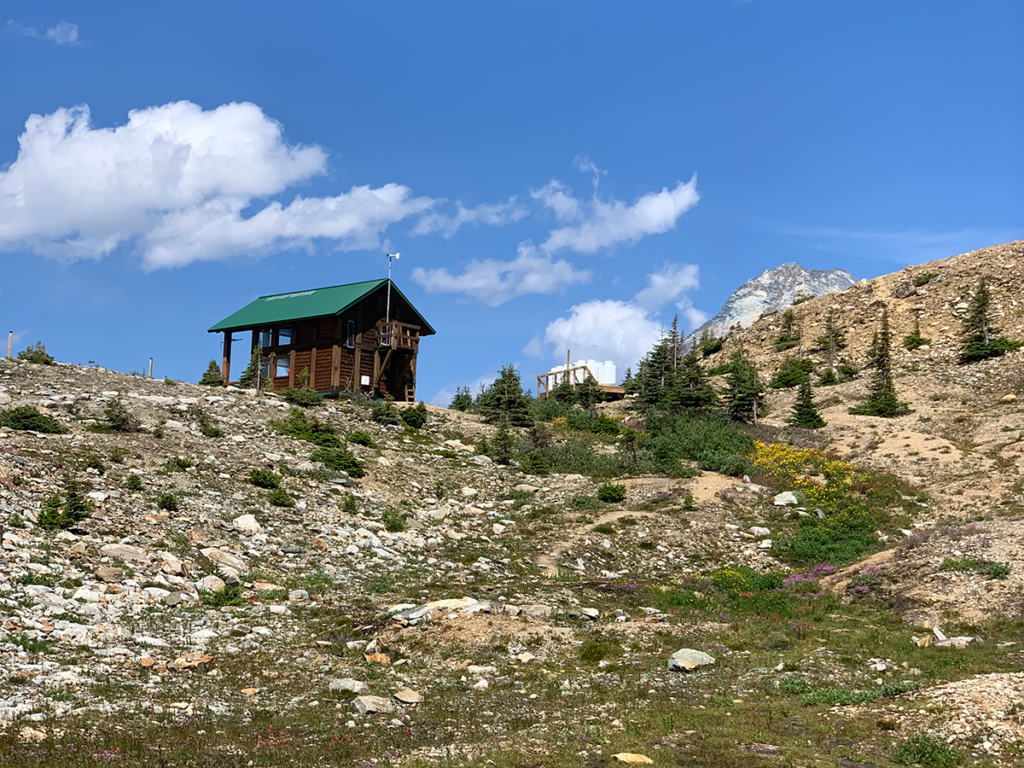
{"points": [[552, 173]]}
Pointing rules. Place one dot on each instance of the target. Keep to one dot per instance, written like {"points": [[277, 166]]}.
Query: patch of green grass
{"points": [[25, 642], [604, 529], [834, 697], [228, 596], [179, 464], [585, 502], [594, 651], [207, 426], [926, 751], [301, 397], [36, 579], [987, 568]]}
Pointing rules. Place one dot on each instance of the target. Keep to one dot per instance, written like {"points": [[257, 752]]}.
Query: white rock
{"points": [[246, 524], [785, 499], [688, 659]]}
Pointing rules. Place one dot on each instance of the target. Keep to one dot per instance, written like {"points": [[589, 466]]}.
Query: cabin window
{"points": [[284, 337], [350, 338], [266, 338], [264, 368], [282, 365]]}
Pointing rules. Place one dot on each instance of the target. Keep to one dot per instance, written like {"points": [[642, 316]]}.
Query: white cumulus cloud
{"points": [[617, 330], [179, 183], [494, 282], [491, 214], [596, 224], [63, 33]]}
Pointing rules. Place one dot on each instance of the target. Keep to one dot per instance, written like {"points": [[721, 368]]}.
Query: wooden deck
{"points": [[577, 375]]}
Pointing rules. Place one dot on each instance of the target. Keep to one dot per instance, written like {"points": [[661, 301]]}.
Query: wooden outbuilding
{"points": [[359, 337]]}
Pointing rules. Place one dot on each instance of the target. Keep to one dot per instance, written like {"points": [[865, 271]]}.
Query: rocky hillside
{"points": [[162, 603], [772, 290]]}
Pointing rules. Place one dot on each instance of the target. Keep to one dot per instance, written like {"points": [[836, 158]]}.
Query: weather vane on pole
{"points": [[387, 311]]}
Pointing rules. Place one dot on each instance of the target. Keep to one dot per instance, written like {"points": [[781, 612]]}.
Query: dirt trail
{"points": [[548, 561]]}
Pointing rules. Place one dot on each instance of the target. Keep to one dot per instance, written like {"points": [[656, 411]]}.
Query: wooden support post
{"points": [[291, 369], [150, 368], [225, 368], [10, 343], [413, 365], [335, 369], [312, 368], [357, 382]]}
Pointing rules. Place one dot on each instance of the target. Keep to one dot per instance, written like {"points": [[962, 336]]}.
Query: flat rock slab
{"points": [[408, 696], [215, 557], [125, 552], [368, 705], [632, 758], [687, 659], [351, 685]]}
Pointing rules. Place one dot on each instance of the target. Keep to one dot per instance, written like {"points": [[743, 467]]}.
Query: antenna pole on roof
{"points": [[387, 311]]}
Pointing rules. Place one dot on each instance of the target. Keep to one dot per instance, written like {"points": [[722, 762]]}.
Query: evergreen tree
{"points": [[690, 387], [564, 392], [805, 412], [914, 339], [503, 443], [979, 339], [588, 393], [744, 398], [828, 378], [505, 399], [789, 334], [882, 399], [463, 401], [213, 376], [248, 378], [831, 341], [654, 375]]}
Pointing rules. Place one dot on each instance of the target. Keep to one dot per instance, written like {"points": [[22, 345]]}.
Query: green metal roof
{"points": [[300, 305]]}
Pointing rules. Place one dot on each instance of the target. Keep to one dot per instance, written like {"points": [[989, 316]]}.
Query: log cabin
{"points": [[359, 337]]}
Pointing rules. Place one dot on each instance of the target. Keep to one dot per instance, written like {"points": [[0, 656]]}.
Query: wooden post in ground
{"points": [[150, 368], [225, 368], [291, 369], [312, 370], [10, 343], [357, 382]]}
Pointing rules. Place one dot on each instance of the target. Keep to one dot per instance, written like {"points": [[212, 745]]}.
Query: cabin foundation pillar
{"points": [[335, 370], [312, 370], [225, 367], [291, 369]]}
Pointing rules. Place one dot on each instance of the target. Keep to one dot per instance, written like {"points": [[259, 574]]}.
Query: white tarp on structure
{"points": [[604, 372]]}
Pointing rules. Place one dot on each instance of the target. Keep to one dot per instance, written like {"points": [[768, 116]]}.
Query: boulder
{"points": [[408, 696], [212, 557], [687, 659], [367, 705], [125, 552], [785, 499], [246, 524], [351, 685], [110, 575]]}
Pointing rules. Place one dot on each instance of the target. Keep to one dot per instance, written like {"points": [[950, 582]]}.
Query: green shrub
{"points": [[585, 502], [611, 493], [605, 530], [278, 497], [212, 376], [207, 426], [924, 278], [926, 751], [394, 521], [384, 412], [167, 501], [230, 595], [535, 463], [793, 372], [594, 651], [92, 461], [36, 353], [415, 417], [298, 425], [25, 418], [179, 464], [119, 418], [360, 437], [302, 397], [134, 483], [64, 510], [339, 460], [264, 478], [350, 506], [794, 685]]}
